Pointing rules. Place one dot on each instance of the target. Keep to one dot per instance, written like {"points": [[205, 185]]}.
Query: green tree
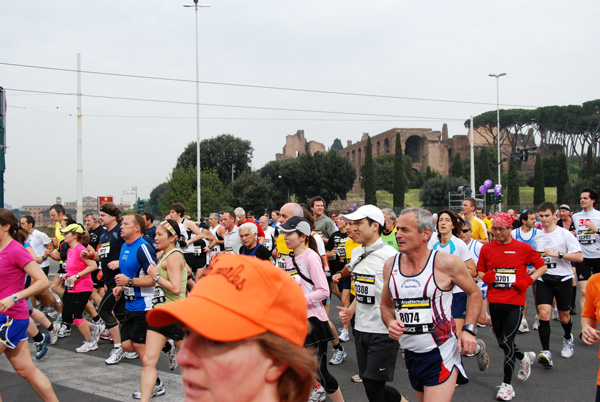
{"points": [[589, 169], [457, 166], [400, 186], [368, 179], [550, 167], [434, 193], [562, 179], [539, 195], [182, 188], [485, 165], [162, 190], [512, 196], [253, 192], [337, 145], [283, 174], [219, 153]]}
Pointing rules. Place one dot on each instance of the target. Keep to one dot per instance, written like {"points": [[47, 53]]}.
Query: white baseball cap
{"points": [[366, 211]]}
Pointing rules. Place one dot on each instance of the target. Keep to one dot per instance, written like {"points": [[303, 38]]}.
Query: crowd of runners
{"points": [[415, 285]]}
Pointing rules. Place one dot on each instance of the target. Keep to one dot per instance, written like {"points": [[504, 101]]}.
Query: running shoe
{"points": [[572, 311], [116, 354], [554, 315], [172, 355], [64, 332], [87, 346], [525, 369], [545, 359], [483, 359], [524, 327], [318, 394], [50, 313], [159, 389], [130, 355], [567, 349], [54, 333], [536, 323], [344, 337], [97, 329], [338, 356], [505, 393], [106, 335], [41, 347], [356, 378]]}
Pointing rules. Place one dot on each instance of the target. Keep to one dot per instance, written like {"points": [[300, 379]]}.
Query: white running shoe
{"points": [[87, 347], [338, 356], [505, 393], [159, 389], [64, 332], [116, 354], [524, 327], [344, 336], [554, 315], [172, 355], [536, 323], [130, 355], [545, 359], [483, 359], [567, 349], [525, 369], [54, 333], [96, 329], [318, 394]]}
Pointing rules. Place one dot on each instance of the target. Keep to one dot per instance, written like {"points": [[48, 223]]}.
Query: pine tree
{"points": [[562, 179], [399, 174], [457, 166], [539, 195], [368, 179], [512, 198]]}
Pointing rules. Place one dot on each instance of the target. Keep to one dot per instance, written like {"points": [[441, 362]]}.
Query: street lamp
{"points": [[497, 77], [199, 208]]}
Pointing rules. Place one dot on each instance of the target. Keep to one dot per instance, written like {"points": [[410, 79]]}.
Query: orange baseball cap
{"points": [[239, 297]]}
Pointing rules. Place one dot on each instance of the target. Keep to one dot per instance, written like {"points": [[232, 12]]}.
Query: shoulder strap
{"points": [[298, 269]]}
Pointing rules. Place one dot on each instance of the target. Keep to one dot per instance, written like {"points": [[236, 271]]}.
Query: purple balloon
{"points": [[498, 189], [353, 205], [488, 183], [482, 189]]}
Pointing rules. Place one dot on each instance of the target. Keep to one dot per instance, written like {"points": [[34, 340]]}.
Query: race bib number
{"points": [[104, 250], [364, 286], [129, 293], [294, 273], [198, 250], [159, 295], [267, 243], [341, 252], [505, 277], [416, 314], [586, 237], [549, 261], [229, 250], [281, 260]]}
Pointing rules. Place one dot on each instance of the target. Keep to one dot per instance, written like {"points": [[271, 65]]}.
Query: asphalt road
{"points": [[77, 377]]}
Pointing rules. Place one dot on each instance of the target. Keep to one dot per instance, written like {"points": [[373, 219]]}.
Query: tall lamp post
{"points": [[199, 207], [497, 77]]}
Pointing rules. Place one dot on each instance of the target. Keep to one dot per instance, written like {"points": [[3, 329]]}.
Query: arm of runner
{"points": [[388, 313], [212, 240], [195, 230], [347, 313]]}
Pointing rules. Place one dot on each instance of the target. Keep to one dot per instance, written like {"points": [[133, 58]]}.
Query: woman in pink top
{"points": [[305, 265], [78, 287], [15, 262]]}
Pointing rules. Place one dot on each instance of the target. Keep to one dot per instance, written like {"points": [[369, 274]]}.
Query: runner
{"points": [[135, 285], [15, 263], [170, 276], [590, 316], [324, 226], [282, 251], [95, 231], [250, 246], [218, 231], [558, 247], [566, 221], [376, 352], [479, 229], [417, 310], [306, 267], [503, 267], [232, 241], [587, 224], [389, 232]]}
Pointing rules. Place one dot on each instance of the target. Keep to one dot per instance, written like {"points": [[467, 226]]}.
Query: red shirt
{"points": [[261, 233], [515, 255]]}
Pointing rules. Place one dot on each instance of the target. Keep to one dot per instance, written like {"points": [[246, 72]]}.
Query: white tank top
{"points": [[215, 233], [232, 241], [425, 309]]}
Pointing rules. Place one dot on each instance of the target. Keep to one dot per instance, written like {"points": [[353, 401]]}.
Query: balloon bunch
{"points": [[487, 184], [353, 207]]}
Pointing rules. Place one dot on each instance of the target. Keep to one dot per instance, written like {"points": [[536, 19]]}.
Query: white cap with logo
{"points": [[366, 211]]}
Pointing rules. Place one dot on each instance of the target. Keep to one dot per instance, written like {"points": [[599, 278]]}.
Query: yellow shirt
{"points": [[57, 233], [349, 246], [282, 251], [479, 232]]}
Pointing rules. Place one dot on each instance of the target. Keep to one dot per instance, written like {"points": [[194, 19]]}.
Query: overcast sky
{"points": [[431, 50]]}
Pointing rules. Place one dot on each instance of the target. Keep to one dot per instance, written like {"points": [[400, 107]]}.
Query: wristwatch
{"points": [[15, 298], [470, 328], [561, 255], [130, 282], [76, 276], [155, 277]]}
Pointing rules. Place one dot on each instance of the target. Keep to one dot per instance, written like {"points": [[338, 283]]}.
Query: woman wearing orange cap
{"points": [[306, 267], [244, 324], [15, 263]]}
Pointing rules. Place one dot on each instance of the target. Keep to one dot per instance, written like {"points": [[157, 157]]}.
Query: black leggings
{"points": [[506, 319], [73, 305], [328, 382], [377, 391], [110, 304]]}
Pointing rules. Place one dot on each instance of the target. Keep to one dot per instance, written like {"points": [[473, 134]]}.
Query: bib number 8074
{"points": [[409, 318]]}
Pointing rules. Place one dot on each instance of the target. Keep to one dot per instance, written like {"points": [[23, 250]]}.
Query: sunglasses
{"points": [[466, 230]]}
